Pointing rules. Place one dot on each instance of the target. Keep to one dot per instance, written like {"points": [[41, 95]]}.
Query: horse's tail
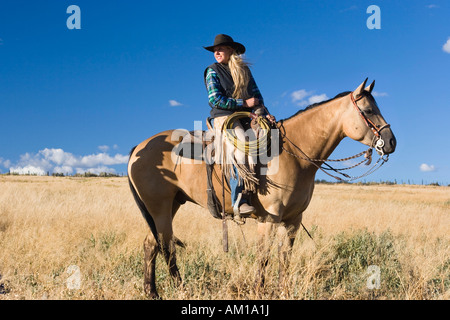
{"points": [[141, 205], [144, 210], [147, 216]]}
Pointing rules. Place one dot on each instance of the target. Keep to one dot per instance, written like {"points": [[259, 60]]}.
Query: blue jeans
{"points": [[235, 187]]}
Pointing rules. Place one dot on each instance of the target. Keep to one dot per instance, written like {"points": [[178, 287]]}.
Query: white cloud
{"points": [[379, 94], [60, 161], [318, 98], [300, 95], [446, 46], [28, 170], [58, 156], [103, 148], [96, 170], [174, 103], [427, 167], [39, 160], [102, 158], [432, 6], [63, 169], [352, 8], [6, 163], [303, 97]]}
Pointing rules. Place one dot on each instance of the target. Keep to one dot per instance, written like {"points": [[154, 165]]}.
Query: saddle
{"points": [[198, 146], [193, 145]]}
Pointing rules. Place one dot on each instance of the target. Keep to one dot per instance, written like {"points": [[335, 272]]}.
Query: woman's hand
{"points": [[271, 118], [250, 103]]}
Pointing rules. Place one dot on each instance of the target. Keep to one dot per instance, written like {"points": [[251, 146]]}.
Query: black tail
{"points": [[144, 211], [147, 216], [142, 207]]}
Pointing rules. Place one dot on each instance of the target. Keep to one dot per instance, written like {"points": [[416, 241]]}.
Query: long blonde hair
{"points": [[240, 74]]}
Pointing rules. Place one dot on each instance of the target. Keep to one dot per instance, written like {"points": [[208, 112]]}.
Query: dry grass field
{"points": [[81, 238]]}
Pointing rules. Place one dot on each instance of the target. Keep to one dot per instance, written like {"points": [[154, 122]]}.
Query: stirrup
{"points": [[240, 217]]}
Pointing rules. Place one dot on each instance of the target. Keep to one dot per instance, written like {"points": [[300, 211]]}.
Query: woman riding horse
{"points": [[231, 88]]}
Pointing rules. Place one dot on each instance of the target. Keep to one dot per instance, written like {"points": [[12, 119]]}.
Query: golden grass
{"points": [[48, 224]]}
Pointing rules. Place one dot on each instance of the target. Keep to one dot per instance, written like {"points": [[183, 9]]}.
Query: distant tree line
{"points": [[371, 183], [318, 181], [60, 174], [88, 175]]}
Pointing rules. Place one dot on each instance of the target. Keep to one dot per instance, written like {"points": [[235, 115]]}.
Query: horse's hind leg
{"points": [[167, 243], [163, 223], [150, 253], [151, 248], [169, 252], [162, 212]]}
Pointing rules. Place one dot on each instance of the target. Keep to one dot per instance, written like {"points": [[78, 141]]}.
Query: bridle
{"points": [[378, 142]]}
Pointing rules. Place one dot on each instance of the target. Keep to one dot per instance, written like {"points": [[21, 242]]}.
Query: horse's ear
{"points": [[359, 90], [370, 87]]}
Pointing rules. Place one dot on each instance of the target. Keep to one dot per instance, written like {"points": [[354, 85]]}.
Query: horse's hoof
{"points": [[152, 294]]}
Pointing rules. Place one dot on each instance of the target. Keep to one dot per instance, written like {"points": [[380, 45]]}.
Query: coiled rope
{"points": [[254, 147]]}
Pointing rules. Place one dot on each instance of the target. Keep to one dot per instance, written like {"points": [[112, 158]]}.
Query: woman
{"points": [[231, 88]]}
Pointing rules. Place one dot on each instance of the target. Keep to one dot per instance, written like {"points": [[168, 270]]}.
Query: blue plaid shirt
{"points": [[217, 97]]}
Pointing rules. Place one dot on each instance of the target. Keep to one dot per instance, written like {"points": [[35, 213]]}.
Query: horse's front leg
{"points": [[265, 230], [285, 238]]}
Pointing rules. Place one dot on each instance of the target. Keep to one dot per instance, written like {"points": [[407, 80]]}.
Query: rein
{"points": [[376, 129], [378, 145]]}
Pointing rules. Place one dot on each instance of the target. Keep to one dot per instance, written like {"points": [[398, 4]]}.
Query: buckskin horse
{"points": [[160, 187]]}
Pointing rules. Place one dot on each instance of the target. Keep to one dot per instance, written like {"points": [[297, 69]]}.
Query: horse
{"points": [[160, 186]]}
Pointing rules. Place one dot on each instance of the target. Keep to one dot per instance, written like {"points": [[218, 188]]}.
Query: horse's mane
{"points": [[314, 105]]}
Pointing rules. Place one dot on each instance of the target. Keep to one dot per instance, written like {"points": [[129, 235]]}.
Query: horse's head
{"points": [[364, 122]]}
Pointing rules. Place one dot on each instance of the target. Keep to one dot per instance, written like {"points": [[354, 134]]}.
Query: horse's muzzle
{"points": [[387, 143]]}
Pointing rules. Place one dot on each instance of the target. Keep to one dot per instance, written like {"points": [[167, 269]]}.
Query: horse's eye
{"points": [[368, 112]]}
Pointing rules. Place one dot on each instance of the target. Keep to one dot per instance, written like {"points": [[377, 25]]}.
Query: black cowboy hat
{"points": [[225, 40]]}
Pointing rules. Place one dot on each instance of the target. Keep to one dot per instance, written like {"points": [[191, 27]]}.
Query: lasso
{"points": [[255, 147]]}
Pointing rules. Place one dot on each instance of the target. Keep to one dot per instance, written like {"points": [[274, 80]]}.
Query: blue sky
{"points": [[78, 100]]}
